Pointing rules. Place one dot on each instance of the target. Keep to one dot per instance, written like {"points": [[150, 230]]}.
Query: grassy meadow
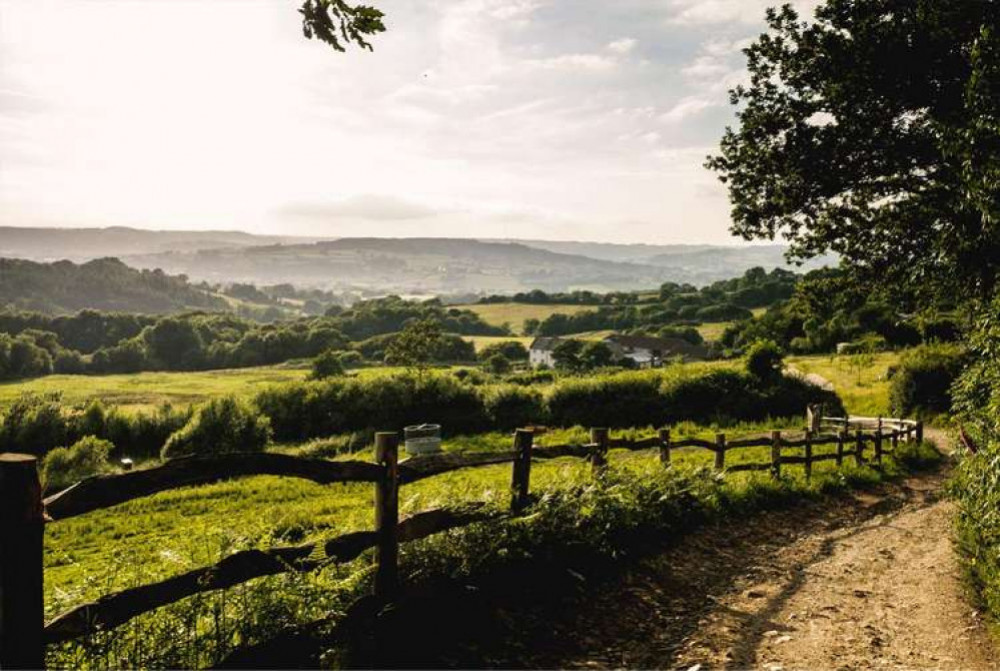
{"points": [[168, 533], [864, 389], [514, 314]]}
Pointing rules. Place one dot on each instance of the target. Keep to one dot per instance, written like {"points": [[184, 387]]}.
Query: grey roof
{"points": [[665, 346], [545, 343]]}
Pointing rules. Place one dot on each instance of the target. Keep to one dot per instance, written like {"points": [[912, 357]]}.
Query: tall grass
{"points": [[637, 502]]}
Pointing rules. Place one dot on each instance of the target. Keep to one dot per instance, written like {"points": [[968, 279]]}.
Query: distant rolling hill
{"points": [[84, 244], [400, 265], [102, 284], [408, 265]]}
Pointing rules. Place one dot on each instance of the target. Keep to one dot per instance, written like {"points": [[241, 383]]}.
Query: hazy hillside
{"points": [[83, 244], [402, 265], [103, 284], [408, 265]]}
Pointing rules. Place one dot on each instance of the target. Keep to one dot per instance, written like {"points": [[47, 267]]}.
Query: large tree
{"points": [[872, 132]]}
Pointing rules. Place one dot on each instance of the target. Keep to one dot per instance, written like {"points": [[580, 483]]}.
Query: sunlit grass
{"points": [[864, 389]]}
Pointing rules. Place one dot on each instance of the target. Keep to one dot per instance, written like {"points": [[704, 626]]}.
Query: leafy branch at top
{"points": [[339, 24]]}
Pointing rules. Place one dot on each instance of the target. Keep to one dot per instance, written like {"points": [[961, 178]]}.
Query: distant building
{"points": [[540, 351], [650, 352]]}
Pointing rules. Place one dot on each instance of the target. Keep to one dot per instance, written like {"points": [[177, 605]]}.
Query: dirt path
{"points": [[883, 593], [868, 582]]}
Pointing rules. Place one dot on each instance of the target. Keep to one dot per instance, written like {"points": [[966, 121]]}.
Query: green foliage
{"points": [[415, 345], [33, 424], [511, 406], [976, 488], [765, 361], [64, 466], [339, 23], [832, 92], [596, 354], [328, 364], [220, 426], [497, 364], [512, 350], [102, 284], [304, 410]]}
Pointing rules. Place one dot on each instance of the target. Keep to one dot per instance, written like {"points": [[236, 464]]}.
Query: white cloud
{"points": [[623, 45], [687, 108], [593, 62], [711, 12]]}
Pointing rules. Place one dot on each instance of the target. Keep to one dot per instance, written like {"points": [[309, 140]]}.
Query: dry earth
{"points": [[872, 582]]}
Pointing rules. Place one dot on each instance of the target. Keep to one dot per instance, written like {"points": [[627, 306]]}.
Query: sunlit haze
{"points": [[582, 119]]}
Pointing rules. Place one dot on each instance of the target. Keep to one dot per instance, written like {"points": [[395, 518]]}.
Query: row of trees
{"points": [[91, 341]]}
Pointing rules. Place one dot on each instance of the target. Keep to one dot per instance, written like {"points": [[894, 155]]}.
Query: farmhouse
{"points": [[540, 351], [650, 352]]}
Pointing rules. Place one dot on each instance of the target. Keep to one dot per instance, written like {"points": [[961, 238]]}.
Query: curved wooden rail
{"points": [[108, 490]]}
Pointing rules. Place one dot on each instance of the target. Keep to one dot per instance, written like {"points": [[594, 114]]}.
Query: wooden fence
{"points": [[23, 513]]}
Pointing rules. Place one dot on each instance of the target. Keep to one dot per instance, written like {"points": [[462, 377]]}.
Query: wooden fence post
{"points": [[809, 455], [521, 478], [920, 431], [665, 447], [720, 451], [859, 447], [841, 439], [878, 444], [599, 459], [894, 437], [387, 516], [776, 454], [22, 524]]}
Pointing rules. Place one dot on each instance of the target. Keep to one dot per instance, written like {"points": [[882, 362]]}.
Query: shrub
{"points": [[220, 426], [64, 466], [326, 407], [327, 364], [765, 361], [624, 400], [33, 424], [510, 406], [511, 349], [497, 364], [921, 383]]}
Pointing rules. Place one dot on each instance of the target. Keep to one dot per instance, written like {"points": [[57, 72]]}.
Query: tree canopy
{"points": [[872, 132]]}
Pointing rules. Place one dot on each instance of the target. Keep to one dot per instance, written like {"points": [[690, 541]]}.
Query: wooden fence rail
{"points": [[24, 634]]}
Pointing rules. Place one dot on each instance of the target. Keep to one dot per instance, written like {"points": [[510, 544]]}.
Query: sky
{"points": [[546, 119]]}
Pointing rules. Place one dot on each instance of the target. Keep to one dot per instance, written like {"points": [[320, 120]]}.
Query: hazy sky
{"points": [[560, 119]]}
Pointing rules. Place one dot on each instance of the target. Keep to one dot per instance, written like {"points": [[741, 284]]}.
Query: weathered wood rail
{"points": [[23, 513]]}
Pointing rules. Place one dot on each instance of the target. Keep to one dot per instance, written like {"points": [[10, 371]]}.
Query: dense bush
{"points": [[765, 361], [220, 426], [321, 408], [921, 383], [510, 406], [510, 349], [327, 364], [628, 399], [64, 466], [33, 424]]}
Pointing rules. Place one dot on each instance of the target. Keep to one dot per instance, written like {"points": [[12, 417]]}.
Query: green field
{"points": [[864, 392], [514, 314], [711, 332], [144, 390], [172, 532]]}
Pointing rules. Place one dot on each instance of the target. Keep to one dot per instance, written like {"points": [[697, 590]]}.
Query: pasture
{"points": [[864, 389], [514, 314], [171, 532]]}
